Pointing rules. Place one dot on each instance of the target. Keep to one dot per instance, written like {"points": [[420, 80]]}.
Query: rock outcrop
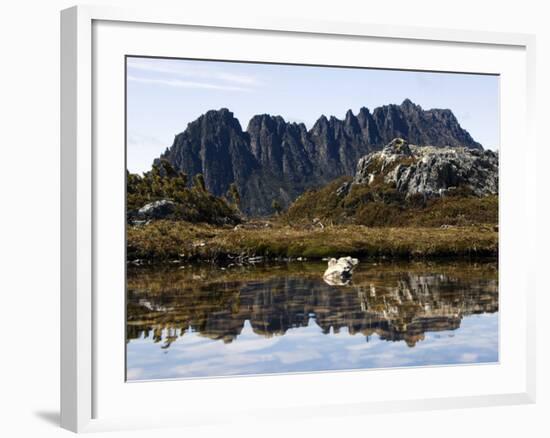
{"points": [[339, 271], [430, 171], [277, 160], [161, 209]]}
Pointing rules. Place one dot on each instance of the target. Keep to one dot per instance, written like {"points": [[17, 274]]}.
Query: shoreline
{"points": [[167, 242], [227, 263]]}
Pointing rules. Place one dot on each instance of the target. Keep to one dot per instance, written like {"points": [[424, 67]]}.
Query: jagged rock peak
{"points": [[364, 110], [222, 112], [265, 121], [408, 103], [321, 121], [274, 159], [222, 116]]}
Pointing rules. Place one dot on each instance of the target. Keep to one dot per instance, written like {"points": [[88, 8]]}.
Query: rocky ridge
{"points": [[277, 160]]}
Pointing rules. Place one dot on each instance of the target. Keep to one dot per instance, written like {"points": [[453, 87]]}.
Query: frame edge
{"points": [[535, 198], [76, 182], [76, 237]]}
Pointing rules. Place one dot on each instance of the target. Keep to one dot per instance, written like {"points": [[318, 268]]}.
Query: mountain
{"points": [[277, 160]]}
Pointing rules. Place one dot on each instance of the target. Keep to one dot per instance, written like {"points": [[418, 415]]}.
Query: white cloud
{"points": [[244, 346], [185, 74], [239, 79], [134, 373], [144, 141], [186, 84], [142, 149], [469, 357], [292, 357]]}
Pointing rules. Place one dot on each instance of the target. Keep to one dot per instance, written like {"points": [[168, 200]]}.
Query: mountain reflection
{"points": [[394, 303]]}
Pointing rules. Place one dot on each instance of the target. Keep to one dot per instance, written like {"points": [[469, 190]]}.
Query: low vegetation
{"points": [[340, 219], [380, 205], [193, 203], [183, 241]]}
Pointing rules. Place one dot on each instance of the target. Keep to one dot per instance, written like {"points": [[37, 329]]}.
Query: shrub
{"points": [[194, 204]]}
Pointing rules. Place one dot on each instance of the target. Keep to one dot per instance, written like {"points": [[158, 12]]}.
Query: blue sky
{"points": [[164, 95]]}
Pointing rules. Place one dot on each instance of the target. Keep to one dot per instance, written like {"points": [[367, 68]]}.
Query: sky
{"points": [[164, 95]]}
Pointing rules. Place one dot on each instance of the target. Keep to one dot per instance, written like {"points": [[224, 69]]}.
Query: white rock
{"points": [[339, 271]]}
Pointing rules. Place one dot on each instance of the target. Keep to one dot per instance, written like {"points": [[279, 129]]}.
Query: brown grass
{"points": [[380, 205], [166, 240]]}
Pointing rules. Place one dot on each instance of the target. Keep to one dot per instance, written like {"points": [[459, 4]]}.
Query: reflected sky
{"points": [[199, 322]]}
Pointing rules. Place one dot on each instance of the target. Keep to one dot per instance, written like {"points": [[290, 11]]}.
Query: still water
{"points": [[197, 321]]}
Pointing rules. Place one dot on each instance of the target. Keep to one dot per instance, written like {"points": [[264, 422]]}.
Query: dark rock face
{"points": [[215, 146], [430, 171], [277, 160], [435, 127]]}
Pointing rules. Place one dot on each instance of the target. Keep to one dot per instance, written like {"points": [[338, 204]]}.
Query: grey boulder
{"points": [[157, 210], [339, 271]]}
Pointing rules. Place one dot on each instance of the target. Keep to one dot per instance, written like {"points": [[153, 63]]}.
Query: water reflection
{"points": [[385, 302]]}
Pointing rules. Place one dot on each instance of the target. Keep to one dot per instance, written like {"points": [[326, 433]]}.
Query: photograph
{"points": [[288, 218]]}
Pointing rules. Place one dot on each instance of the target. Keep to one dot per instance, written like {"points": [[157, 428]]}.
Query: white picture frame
{"points": [[84, 372]]}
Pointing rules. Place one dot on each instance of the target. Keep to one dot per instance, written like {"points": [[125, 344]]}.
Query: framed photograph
{"points": [[321, 216]]}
